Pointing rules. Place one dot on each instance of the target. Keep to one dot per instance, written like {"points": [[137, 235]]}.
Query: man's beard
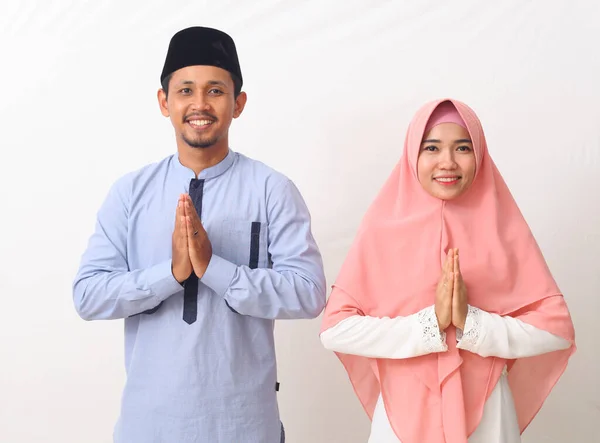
{"points": [[200, 143]]}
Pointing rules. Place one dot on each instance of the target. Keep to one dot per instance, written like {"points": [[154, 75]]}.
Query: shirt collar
{"points": [[208, 173]]}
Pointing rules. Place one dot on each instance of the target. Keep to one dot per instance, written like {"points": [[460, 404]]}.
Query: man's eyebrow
{"points": [[217, 82]]}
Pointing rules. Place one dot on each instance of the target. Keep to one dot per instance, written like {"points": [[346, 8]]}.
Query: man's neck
{"points": [[199, 159]]}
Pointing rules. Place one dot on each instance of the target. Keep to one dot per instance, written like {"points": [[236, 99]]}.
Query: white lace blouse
{"points": [[485, 334]]}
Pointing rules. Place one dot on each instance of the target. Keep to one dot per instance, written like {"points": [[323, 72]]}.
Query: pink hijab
{"points": [[393, 267]]}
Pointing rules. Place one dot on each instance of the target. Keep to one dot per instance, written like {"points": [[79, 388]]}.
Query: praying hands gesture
{"points": [[451, 294], [192, 249]]}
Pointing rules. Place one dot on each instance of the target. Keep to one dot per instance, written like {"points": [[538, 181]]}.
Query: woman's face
{"points": [[446, 164]]}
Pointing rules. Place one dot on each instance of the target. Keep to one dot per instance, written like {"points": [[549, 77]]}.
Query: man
{"points": [[200, 253]]}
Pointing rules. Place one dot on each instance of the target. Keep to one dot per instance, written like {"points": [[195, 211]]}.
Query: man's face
{"points": [[201, 105]]}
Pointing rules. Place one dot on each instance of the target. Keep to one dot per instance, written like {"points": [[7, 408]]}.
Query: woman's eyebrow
{"points": [[434, 140]]}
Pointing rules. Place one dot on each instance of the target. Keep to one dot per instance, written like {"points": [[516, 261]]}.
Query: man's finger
{"points": [[178, 216], [178, 213], [182, 231], [190, 210], [189, 204], [186, 209], [189, 226], [194, 230], [182, 228], [196, 223]]}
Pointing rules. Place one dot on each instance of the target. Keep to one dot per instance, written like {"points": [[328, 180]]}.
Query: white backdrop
{"points": [[331, 86]]}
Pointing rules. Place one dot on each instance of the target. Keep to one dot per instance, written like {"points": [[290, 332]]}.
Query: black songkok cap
{"points": [[201, 46]]}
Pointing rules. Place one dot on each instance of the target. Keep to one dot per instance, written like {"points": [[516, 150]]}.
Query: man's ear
{"points": [[162, 102], [240, 103]]}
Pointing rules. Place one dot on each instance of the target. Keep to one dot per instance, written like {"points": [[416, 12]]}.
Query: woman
{"points": [[468, 354]]}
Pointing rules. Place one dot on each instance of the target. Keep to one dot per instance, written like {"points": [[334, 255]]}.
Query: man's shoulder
{"points": [[261, 171], [142, 174]]}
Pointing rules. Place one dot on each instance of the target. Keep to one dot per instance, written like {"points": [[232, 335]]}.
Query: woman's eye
{"points": [[464, 148], [430, 148]]}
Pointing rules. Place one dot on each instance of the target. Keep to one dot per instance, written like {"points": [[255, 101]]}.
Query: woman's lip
{"points": [[448, 182]]}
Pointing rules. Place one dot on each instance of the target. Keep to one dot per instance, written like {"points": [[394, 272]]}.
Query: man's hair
{"points": [[237, 84]]}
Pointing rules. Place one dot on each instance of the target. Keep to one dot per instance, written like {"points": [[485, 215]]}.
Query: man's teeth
{"points": [[200, 122], [447, 179]]}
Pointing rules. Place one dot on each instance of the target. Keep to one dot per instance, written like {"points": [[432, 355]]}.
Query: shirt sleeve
{"points": [[395, 338], [105, 287], [295, 285], [492, 335]]}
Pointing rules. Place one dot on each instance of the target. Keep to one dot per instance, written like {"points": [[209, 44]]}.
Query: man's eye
{"points": [[185, 90], [215, 91]]}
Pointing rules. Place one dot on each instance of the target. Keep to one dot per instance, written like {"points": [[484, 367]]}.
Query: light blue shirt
{"points": [[212, 381]]}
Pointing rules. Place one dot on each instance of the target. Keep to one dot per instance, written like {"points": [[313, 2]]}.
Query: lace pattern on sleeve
{"points": [[433, 339], [470, 336]]}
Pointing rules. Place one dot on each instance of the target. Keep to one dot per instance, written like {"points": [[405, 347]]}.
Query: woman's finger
{"points": [[455, 274]]}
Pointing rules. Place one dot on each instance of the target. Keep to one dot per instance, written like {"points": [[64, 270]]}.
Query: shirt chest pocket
{"points": [[245, 243]]}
